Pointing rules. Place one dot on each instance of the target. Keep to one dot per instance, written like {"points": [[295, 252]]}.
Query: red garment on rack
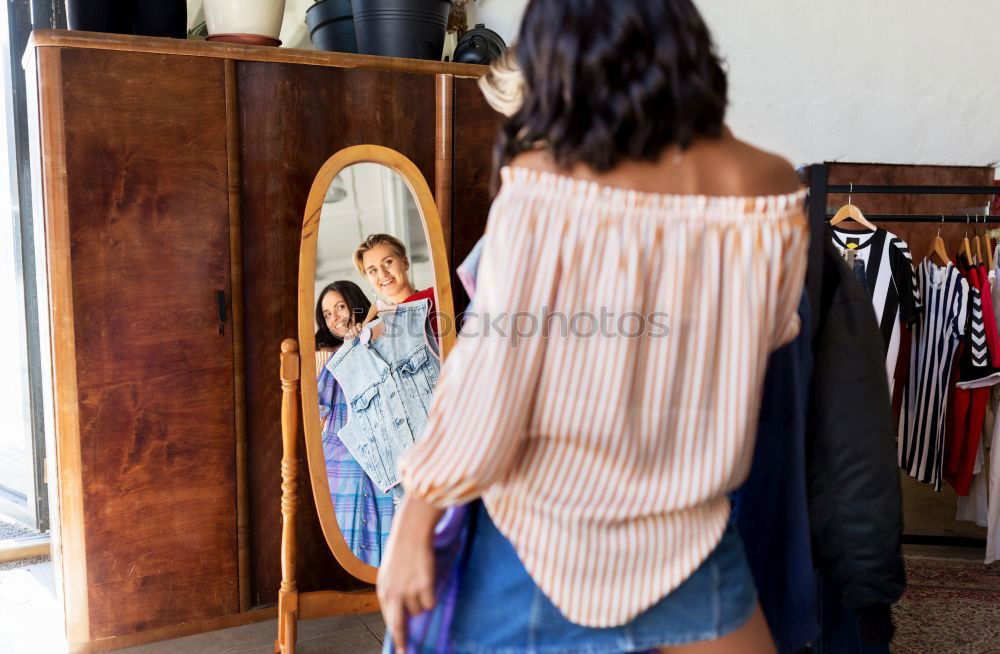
{"points": [[989, 317], [967, 407], [962, 443]]}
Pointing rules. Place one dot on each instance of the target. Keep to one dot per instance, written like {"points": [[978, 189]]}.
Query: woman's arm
{"points": [[405, 584], [481, 406], [485, 395]]}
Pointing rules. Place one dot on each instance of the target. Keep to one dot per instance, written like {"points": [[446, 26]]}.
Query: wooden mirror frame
{"points": [[434, 235]]}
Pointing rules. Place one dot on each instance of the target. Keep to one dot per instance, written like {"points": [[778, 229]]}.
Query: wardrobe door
{"points": [[475, 130], [292, 119], [149, 248]]}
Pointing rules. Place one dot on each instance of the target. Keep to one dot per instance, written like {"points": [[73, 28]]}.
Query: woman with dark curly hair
{"points": [[364, 513], [640, 264]]}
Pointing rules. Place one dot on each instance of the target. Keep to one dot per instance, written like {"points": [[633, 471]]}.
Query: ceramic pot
{"points": [[258, 17]]}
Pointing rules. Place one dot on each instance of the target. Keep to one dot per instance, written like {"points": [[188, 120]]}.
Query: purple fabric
{"points": [[364, 513], [468, 271], [429, 632]]}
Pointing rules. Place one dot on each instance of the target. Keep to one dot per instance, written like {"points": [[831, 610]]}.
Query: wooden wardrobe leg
{"points": [[288, 596]]}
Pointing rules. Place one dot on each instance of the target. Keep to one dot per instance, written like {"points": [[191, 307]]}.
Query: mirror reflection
{"points": [[376, 346]]}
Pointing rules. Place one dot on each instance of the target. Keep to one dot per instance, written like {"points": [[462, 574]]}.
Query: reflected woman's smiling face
{"points": [[336, 314], [386, 271]]}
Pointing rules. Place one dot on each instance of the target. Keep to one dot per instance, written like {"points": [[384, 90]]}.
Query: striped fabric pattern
{"points": [[936, 335], [978, 351], [605, 453], [890, 281], [364, 513]]}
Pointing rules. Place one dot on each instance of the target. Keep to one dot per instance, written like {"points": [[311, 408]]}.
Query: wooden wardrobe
{"points": [[171, 179]]}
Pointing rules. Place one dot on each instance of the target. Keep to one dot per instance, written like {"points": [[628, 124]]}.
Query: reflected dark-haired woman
{"points": [[603, 462], [364, 513]]}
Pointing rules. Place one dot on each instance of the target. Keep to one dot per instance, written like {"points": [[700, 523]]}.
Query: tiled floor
{"points": [[341, 635]]}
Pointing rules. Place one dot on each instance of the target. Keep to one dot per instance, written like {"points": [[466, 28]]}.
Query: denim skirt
{"points": [[500, 610]]}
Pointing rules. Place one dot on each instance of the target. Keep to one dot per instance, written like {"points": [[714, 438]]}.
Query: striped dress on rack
{"points": [[925, 403], [890, 281]]}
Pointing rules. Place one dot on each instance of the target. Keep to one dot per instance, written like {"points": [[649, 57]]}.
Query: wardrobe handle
{"points": [[220, 297]]}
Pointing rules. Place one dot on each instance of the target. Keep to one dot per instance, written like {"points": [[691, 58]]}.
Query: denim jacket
{"points": [[388, 383]]}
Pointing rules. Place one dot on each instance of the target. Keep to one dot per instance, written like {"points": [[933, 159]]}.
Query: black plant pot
{"points": [[142, 17], [331, 26], [401, 28], [479, 46]]}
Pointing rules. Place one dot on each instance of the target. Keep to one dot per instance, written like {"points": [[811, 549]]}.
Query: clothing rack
{"points": [[911, 189], [817, 177], [972, 219]]}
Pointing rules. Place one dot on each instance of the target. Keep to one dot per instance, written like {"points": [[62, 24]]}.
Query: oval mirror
{"points": [[375, 319]]}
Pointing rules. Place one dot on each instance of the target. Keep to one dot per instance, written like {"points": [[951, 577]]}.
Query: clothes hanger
{"points": [[851, 212], [987, 241], [938, 248], [372, 314], [978, 243], [965, 242]]}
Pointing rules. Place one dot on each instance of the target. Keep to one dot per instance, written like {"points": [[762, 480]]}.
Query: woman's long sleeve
{"points": [[794, 240], [484, 398]]}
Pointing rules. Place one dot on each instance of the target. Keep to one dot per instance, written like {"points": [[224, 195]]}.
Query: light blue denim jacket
{"points": [[388, 384]]}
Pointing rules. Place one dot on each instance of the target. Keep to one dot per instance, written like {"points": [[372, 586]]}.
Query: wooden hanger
{"points": [[965, 242], [987, 241], [938, 248], [989, 252], [978, 243], [372, 315], [851, 212]]}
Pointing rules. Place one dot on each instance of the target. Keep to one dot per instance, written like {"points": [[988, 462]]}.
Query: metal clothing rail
{"points": [[912, 189], [972, 219], [817, 177]]}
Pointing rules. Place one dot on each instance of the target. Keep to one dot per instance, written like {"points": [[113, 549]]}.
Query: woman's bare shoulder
{"points": [[761, 172], [723, 166]]}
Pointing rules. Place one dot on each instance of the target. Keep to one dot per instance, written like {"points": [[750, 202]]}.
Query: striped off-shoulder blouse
{"points": [[604, 398]]}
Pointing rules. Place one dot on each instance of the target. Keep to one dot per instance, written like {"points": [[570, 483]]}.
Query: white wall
{"points": [[376, 201], [501, 16], [888, 81]]}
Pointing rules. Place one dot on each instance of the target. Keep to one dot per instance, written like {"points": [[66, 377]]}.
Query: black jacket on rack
{"points": [[855, 501]]}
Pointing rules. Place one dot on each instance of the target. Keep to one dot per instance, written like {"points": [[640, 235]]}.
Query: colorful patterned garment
{"points": [[364, 513]]}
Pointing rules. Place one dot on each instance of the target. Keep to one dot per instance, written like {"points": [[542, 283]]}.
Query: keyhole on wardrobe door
{"points": [[220, 297]]}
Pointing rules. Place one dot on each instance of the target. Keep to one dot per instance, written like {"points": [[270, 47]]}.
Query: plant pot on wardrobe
{"points": [[160, 18], [479, 46], [255, 22], [331, 26], [401, 28]]}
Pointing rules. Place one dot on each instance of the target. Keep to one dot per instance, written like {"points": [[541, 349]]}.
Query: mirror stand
{"points": [[293, 605]]}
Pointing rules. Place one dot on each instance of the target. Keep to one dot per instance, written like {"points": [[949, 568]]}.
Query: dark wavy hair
{"points": [[356, 303], [612, 80]]}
